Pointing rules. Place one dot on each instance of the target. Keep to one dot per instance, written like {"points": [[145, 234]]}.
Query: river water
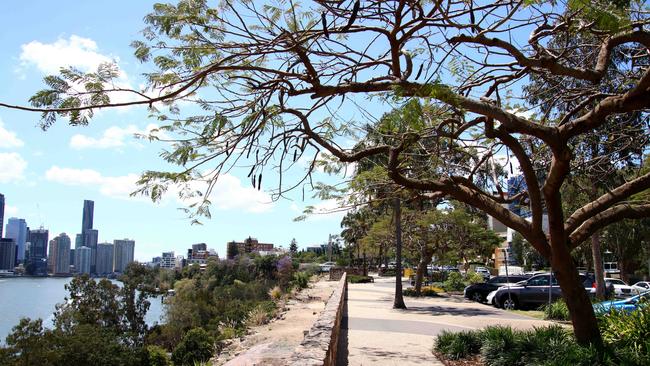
{"points": [[35, 298]]}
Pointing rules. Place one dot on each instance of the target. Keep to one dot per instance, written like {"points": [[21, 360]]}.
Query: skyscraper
{"points": [[82, 260], [17, 230], [37, 261], [2, 213], [89, 235], [104, 258], [7, 254], [58, 259], [123, 254], [87, 220]]}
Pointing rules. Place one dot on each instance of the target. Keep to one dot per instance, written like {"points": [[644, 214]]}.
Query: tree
{"points": [[293, 247], [281, 71], [196, 346]]}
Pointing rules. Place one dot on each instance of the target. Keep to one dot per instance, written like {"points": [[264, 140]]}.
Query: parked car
{"points": [[641, 286], [629, 304], [327, 266], [621, 289], [479, 291], [533, 292]]}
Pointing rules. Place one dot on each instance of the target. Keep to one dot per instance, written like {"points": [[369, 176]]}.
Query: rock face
{"points": [[321, 344]]}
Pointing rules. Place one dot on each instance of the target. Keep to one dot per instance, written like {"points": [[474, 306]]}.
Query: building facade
{"points": [[58, 260], [168, 260], [82, 260], [7, 254], [122, 254], [104, 260], [249, 245], [2, 213], [17, 230], [36, 263]]}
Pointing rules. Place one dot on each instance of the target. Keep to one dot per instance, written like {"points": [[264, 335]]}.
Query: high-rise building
{"points": [[199, 246], [168, 260], [37, 260], [122, 254], [88, 213], [58, 259], [2, 213], [104, 258], [82, 260], [72, 257], [7, 254], [78, 241], [17, 230], [89, 236]]}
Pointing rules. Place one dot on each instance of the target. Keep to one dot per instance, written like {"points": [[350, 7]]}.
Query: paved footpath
{"points": [[380, 335]]}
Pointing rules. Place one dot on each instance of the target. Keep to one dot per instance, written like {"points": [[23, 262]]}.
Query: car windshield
{"points": [[615, 282], [541, 280], [642, 284]]}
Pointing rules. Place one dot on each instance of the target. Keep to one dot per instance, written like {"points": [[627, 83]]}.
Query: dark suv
{"points": [[534, 292], [479, 291]]}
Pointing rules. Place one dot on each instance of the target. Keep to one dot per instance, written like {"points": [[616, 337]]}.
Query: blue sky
{"points": [[45, 176]]}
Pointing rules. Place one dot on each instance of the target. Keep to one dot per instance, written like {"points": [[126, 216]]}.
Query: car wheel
{"points": [[477, 297], [509, 303]]}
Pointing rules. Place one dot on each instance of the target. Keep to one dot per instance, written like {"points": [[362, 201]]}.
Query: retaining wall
{"points": [[321, 345]]}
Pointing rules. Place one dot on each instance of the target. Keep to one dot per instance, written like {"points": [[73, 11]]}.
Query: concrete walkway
{"points": [[380, 335]]}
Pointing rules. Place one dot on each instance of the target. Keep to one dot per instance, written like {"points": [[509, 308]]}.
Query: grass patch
{"points": [[537, 314], [428, 291]]}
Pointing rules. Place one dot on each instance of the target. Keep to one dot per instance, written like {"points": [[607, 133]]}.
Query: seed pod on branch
{"points": [[353, 17]]}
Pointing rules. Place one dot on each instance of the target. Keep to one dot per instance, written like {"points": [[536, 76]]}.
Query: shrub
{"points": [[285, 271], [454, 282], [359, 279], [473, 277], [257, 317], [196, 346], [628, 334], [157, 356], [556, 311], [275, 293], [301, 279], [457, 345], [425, 291]]}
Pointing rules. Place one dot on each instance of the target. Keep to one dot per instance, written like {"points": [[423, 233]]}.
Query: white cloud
{"points": [[11, 211], [76, 51], [112, 137], [328, 210], [8, 139], [12, 167], [227, 194]]}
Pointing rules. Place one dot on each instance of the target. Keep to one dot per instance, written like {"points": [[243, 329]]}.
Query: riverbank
{"points": [[273, 343]]}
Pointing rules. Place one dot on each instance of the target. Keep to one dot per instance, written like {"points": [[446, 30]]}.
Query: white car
{"points": [[641, 286], [621, 289], [327, 266], [490, 298]]}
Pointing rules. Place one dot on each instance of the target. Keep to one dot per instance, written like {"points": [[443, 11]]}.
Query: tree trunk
{"points": [[585, 326], [381, 258], [598, 266], [399, 299], [425, 259]]}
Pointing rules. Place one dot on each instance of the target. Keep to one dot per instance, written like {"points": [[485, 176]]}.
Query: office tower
{"points": [[17, 230], [7, 254], [58, 259], [78, 241], [71, 257], [90, 237], [122, 254], [87, 219], [37, 260], [199, 246], [2, 213], [104, 258], [82, 260], [168, 260]]}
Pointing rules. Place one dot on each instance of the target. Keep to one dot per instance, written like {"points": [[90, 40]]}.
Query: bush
{"points": [[473, 277], [301, 279], [454, 282], [257, 317], [628, 334], [196, 346], [275, 293], [458, 345], [556, 311], [157, 356], [359, 279], [425, 291]]}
